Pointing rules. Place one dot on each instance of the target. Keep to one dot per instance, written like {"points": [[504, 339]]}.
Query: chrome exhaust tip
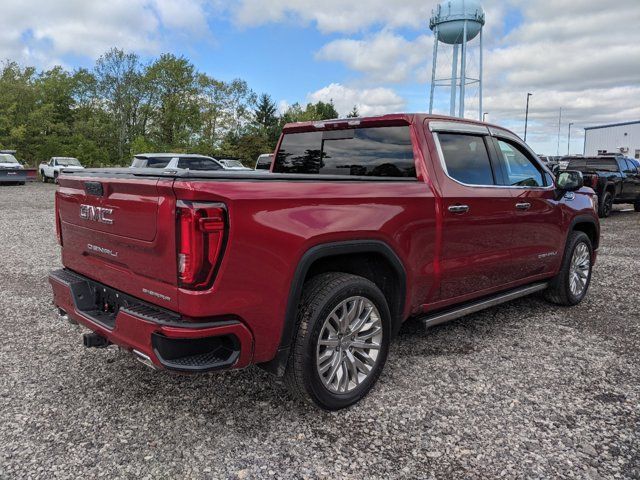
{"points": [[144, 359]]}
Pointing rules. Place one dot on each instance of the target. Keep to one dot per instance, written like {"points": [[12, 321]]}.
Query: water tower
{"points": [[456, 23]]}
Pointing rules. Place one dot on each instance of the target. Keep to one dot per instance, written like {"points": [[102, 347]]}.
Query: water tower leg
{"points": [[454, 76], [463, 70], [433, 68], [480, 82]]}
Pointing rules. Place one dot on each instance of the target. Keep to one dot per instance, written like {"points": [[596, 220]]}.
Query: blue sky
{"points": [[375, 53]]}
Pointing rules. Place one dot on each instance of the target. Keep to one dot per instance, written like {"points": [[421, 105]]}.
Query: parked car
{"points": [[615, 178], [51, 169], [232, 164], [180, 161], [552, 164], [309, 271], [11, 171], [264, 161]]}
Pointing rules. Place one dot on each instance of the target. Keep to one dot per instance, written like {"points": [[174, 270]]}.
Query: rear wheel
{"points": [[570, 286], [606, 205], [636, 206], [342, 341]]}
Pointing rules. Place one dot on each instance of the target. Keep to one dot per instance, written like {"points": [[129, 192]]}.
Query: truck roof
{"points": [[171, 155], [392, 119]]}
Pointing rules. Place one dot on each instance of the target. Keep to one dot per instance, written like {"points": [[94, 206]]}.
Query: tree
{"points": [[354, 113], [173, 101], [265, 113], [119, 86]]}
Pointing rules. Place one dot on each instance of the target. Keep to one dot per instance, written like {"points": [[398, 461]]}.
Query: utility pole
{"points": [[569, 139], [559, 123], [526, 117]]}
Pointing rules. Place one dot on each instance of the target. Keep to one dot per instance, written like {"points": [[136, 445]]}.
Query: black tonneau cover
{"points": [[225, 175]]}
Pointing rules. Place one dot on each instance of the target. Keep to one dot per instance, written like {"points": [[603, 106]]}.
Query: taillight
{"points": [[58, 225], [201, 230]]}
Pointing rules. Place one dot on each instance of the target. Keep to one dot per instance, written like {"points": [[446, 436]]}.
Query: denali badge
{"points": [[96, 214]]}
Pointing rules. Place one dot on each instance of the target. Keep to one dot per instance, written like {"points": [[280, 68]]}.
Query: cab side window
{"points": [[519, 170], [466, 158]]}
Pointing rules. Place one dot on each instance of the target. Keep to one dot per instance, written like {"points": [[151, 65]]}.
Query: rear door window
{"points": [[376, 152], [151, 162], [199, 164], [466, 158]]}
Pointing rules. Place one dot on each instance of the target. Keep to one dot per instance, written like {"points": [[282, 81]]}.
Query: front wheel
{"points": [[342, 341], [636, 206], [571, 284], [43, 176]]}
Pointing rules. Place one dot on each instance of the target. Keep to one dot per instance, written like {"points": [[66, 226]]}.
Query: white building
{"points": [[615, 138]]}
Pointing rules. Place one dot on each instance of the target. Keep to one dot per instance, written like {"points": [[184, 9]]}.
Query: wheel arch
{"points": [[356, 257], [589, 226]]}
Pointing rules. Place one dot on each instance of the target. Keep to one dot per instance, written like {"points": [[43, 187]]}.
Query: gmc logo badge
{"points": [[96, 214]]}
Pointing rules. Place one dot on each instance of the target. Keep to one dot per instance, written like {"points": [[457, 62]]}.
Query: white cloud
{"points": [[334, 15], [384, 57], [40, 33], [369, 101]]}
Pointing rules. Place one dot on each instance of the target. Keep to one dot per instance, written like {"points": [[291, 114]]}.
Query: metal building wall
{"points": [[612, 138]]}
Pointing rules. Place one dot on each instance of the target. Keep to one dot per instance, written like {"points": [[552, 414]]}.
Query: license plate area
{"points": [[101, 303]]}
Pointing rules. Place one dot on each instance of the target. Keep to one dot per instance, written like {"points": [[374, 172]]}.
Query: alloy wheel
{"points": [[349, 344], [579, 269]]}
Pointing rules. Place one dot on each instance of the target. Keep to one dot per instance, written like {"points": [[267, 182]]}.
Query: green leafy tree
{"points": [[174, 111], [119, 85]]}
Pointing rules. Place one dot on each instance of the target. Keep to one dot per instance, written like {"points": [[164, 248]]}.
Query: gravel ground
{"points": [[524, 390]]}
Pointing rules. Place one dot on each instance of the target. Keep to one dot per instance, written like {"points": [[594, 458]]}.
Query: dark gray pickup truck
{"points": [[616, 179], [11, 171]]}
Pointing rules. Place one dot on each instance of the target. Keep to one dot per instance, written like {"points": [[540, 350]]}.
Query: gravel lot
{"points": [[525, 390]]}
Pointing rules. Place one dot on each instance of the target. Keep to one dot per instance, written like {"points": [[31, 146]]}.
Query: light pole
{"points": [[569, 139], [484, 114], [526, 117]]}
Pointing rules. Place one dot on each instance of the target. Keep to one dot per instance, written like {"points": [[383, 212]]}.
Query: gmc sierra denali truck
{"points": [[310, 270]]}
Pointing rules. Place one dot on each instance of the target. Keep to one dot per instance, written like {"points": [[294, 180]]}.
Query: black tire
{"points": [[559, 290], [44, 177], [320, 296], [636, 206], [606, 205], [55, 177]]}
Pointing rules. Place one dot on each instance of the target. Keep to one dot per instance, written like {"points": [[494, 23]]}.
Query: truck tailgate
{"points": [[121, 232]]}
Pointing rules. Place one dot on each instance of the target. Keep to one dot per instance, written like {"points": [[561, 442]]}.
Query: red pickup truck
{"points": [[310, 270]]}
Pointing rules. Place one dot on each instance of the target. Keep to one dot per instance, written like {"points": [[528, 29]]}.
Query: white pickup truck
{"points": [[51, 169]]}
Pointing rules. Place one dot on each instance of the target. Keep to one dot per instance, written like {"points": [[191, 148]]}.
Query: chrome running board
{"points": [[475, 306]]}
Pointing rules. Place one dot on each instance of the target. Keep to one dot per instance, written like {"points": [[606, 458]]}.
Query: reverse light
{"points": [[201, 228]]}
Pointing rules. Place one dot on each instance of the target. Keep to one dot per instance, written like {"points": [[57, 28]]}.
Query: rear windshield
{"points": [[376, 152], [7, 158], [151, 162], [597, 164], [264, 162], [67, 162]]}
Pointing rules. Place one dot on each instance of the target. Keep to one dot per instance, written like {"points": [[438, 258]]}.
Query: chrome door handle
{"points": [[523, 206], [459, 208]]}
